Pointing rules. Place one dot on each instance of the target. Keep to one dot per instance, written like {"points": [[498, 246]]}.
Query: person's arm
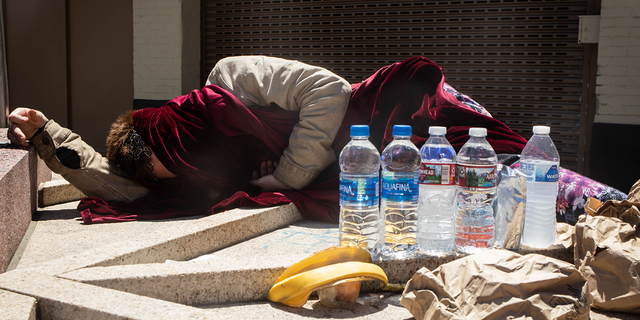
{"points": [[319, 95], [65, 153]]}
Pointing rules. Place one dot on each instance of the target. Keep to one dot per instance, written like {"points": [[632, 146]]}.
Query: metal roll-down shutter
{"points": [[519, 58]]}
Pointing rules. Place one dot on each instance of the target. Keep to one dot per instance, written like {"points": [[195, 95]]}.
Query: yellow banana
{"points": [[295, 290], [326, 257]]}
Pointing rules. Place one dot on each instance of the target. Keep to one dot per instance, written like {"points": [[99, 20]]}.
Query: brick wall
{"points": [[618, 81], [166, 48]]}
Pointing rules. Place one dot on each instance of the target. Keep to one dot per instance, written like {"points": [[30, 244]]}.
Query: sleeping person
{"points": [[263, 131]]}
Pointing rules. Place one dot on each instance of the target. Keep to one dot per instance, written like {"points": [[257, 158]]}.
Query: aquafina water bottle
{"points": [[437, 193], [400, 162], [540, 161], [359, 191], [476, 177]]}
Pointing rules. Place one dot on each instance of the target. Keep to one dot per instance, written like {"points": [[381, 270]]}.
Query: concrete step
{"points": [[17, 306], [57, 191], [121, 270]]}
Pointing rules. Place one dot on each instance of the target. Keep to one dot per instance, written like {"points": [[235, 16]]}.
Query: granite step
{"points": [[57, 191]]}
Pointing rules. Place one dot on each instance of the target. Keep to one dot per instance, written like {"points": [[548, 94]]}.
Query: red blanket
{"points": [[213, 143]]}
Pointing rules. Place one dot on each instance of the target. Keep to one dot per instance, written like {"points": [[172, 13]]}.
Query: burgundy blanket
{"points": [[213, 143]]}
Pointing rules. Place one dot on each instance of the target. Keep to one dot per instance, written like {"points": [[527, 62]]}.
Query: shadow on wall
{"points": [[615, 155]]}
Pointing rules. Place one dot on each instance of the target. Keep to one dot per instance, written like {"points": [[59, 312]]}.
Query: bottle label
{"points": [[359, 191], [434, 173], [476, 176], [540, 172], [399, 188]]}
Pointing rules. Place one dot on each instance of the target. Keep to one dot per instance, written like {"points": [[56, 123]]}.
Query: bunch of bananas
{"points": [[322, 270]]}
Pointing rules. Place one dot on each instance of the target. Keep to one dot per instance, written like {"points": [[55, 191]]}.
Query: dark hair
{"points": [[128, 151]]}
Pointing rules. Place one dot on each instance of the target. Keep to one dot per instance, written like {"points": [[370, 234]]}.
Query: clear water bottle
{"points": [[437, 194], [540, 161], [359, 191], [400, 162], [476, 176]]}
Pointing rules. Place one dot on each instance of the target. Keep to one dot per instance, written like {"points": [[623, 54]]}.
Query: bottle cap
{"points": [[541, 129], [478, 132], [401, 130], [437, 130], [359, 131]]}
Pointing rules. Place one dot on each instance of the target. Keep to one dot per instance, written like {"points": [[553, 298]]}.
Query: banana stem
{"points": [[395, 287]]}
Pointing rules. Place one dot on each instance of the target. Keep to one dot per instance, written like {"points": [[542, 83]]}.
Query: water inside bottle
{"points": [[474, 227], [400, 226], [435, 229], [359, 227]]}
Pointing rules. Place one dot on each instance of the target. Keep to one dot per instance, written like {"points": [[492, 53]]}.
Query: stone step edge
{"points": [[242, 280], [17, 306], [57, 191]]}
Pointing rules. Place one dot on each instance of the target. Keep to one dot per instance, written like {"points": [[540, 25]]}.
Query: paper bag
{"points": [[499, 284], [607, 251]]}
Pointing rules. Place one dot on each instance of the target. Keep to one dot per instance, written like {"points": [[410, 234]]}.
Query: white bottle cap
{"points": [[437, 130], [478, 132], [541, 129]]}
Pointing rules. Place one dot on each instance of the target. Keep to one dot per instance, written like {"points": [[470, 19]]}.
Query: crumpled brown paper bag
{"points": [[607, 252], [565, 234], [499, 284]]}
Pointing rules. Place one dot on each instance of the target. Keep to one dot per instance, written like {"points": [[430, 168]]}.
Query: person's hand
{"points": [[266, 168], [25, 123], [265, 179], [269, 183]]}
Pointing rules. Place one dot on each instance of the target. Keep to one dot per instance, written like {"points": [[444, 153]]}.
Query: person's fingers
{"points": [[23, 112], [36, 118], [18, 117], [269, 183], [255, 175], [32, 114], [266, 168], [16, 136], [16, 132], [270, 167], [11, 137], [263, 169]]}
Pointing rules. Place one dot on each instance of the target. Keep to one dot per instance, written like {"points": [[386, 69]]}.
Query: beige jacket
{"points": [[320, 96], [83, 167]]}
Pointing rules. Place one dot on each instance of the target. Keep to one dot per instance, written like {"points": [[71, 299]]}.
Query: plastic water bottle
{"points": [[540, 161], [437, 193], [400, 162], [359, 191], [476, 176]]}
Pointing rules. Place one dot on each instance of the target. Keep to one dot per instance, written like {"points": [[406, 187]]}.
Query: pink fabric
{"points": [[573, 191]]}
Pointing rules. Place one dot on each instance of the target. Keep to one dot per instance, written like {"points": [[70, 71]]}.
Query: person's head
{"points": [[128, 151]]}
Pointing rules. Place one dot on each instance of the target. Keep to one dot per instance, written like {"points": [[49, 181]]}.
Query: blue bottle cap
{"points": [[401, 130], [359, 131]]}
